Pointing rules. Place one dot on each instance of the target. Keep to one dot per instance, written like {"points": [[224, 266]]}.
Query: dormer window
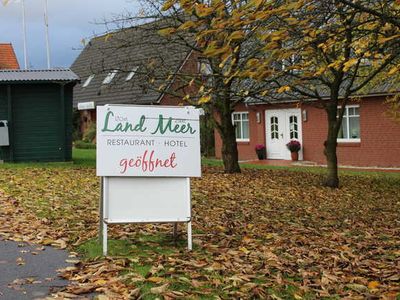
{"points": [[110, 76], [132, 73], [88, 80], [204, 67]]}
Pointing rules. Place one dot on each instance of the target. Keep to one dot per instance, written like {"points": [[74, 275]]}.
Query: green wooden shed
{"points": [[36, 115]]}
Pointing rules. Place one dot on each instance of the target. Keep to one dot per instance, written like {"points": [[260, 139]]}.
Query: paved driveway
{"points": [[29, 271]]}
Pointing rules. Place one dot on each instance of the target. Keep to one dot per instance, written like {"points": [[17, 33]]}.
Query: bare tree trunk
{"points": [[230, 156], [207, 138], [226, 129], [332, 179]]}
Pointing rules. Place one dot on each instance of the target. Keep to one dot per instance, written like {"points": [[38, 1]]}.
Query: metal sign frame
{"points": [[105, 220]]}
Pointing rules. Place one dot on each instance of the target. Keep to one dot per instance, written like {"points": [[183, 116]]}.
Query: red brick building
{"points": [[368, 137], [8, 59], [115, 69]]}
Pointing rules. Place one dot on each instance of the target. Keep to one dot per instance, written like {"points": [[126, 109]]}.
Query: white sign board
{"points": [[141, 141], [146, 200], [146, 156]]}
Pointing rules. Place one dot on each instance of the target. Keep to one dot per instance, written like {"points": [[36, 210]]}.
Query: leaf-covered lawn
{"points": [[260, 234]]}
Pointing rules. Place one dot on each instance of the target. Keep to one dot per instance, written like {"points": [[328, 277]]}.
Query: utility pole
{"points": [[24, 34], [46, 23]]}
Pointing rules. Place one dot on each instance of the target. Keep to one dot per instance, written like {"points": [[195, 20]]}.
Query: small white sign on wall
{"points": [[86, 105], [146, 141]]}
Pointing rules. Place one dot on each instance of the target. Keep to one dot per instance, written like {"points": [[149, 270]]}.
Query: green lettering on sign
{"points": [[163, 127], [123, 127]]}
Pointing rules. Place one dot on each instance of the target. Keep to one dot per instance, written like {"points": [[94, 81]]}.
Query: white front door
{"points": [[282, 125]]}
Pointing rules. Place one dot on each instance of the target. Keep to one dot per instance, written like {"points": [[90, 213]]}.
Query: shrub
{"points": [[76, 128], [84, 145], [76, 135], [90, 134]]}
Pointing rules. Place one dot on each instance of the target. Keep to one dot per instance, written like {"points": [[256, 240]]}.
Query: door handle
{"points": [[282, 135]]}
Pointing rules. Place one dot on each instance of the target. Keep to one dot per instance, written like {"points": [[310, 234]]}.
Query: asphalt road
{"points": [[29, 271]]}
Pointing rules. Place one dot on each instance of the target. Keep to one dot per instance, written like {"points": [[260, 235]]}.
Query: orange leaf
{"points": [[373, 285]]}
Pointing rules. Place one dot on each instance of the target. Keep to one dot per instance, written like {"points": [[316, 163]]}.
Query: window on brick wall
{"points": [[350, 129], [241, 122]]}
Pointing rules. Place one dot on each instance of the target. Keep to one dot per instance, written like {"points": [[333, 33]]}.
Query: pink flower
{"points": [[260, 147], [294, 146]]}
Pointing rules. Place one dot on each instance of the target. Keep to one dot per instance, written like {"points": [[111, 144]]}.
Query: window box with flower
{"points": [[261, 152]]}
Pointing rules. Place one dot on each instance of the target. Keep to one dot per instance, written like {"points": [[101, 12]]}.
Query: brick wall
{"points": [[246, 149], [257, 130], [380, 136]]}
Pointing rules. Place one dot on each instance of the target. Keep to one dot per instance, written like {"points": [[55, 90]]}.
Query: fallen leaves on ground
{"points": [[259, 234]]}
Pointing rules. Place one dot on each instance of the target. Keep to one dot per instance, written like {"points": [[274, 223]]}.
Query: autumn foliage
{"points": [[327, 53]]}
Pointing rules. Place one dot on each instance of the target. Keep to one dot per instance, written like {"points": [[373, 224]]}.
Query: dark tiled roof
{"points": [[139, 46], [384, 87], [8, 59], [38, 75]]}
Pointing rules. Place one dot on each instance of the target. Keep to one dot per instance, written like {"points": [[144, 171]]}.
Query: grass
{"points": [[144, 246], [141, 246], [86, 158], [138, 251], [92, 249], [36, 165], [81, 158], [314, 170]]}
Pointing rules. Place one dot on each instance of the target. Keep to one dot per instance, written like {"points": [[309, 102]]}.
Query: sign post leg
{"points": [[189, 233], [105, 244], [101, 211], [104, 192]]}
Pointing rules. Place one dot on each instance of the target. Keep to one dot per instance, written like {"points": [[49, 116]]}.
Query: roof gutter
{"points": [[74, 81], [323, 98]]}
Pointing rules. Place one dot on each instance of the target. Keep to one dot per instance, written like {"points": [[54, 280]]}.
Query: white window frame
{"points": [[132, 73], [110, 76], [88, 80], [241, 113], [346, 117]]}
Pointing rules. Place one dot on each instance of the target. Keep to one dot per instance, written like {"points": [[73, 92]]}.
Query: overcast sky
{"points": [[69, 22]]}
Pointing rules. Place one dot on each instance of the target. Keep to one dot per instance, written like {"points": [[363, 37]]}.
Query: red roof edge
{"points": [[8, 59]]}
